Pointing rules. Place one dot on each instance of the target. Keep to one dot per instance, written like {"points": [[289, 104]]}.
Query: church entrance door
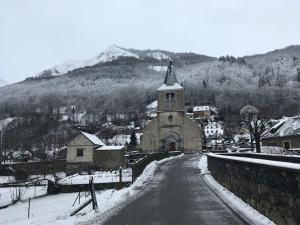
{"points": [[171, 142], [172, 146]]}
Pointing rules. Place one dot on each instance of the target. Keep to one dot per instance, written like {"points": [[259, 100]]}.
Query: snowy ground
{"points": [[55, 209], [7, 195], [99, 177], [248, 213]]}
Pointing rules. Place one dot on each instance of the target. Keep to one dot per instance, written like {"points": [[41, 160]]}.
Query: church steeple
{"points": [[170, 94], [170, 78]]}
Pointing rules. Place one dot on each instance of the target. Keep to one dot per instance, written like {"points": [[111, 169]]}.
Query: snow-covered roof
{"points": [[201, 108], [204, 108], [287, 126], [176, 86], [152, 105], [109, 148], [5, 122], [93, 138]]}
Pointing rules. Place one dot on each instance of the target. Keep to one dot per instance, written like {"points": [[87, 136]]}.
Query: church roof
{"points": [[170, 82], [167, 87], [170, 78]]}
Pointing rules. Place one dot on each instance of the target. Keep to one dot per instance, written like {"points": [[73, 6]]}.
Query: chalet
{"points": [[204, 112], [285, 134], [88, 148]]}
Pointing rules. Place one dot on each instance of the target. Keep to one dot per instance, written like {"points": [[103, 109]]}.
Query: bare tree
{"points": [[254, 123]]}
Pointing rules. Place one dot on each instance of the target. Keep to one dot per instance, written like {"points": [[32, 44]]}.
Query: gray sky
{"points": [[38, 34]]}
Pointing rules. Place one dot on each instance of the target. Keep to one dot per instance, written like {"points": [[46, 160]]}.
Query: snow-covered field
{"points": [[10, 193], [251, 215], [99, 177], [55, 209]]}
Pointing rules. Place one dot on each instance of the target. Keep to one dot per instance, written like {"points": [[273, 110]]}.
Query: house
{"points": [[88, 148], [171, 130], [214, 129], [204, 112], [285, 133]]}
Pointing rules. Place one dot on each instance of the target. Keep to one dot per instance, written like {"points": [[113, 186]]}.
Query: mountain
{"points": [[121, 79], [111, 53], [2, 82]]}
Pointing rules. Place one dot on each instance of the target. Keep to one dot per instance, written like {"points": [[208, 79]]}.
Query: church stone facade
{"points": [[172, 130]]}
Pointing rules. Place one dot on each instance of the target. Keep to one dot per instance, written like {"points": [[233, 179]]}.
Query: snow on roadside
{"points": [[56, 209], [251, 215]]}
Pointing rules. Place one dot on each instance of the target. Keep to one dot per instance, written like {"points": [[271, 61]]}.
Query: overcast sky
{"points": [[38, 34]]}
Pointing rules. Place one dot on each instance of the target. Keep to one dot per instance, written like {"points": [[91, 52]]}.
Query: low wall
{"points": [[267, 157], [55, 189], [138, 168], [48, 167], [271, 189]]}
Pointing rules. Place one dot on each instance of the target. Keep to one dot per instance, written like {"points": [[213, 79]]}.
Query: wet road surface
{"points": [[177, 196]]}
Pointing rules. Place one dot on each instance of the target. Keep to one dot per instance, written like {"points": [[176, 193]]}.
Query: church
{"points": [[171, 130]]}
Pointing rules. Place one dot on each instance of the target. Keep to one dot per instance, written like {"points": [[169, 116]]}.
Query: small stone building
{"points": [[88, 148], [171, 130]]}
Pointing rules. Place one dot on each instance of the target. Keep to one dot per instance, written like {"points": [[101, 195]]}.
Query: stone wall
{"points": [[109, 159], [272, 190]]}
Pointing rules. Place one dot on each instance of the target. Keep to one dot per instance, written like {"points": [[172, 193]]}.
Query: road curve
{"points": [[177, 196]]}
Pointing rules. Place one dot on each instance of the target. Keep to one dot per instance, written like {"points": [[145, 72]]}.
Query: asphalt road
{"points": [[176, 196]]}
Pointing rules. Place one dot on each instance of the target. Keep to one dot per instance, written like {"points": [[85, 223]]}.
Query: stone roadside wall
{"points": [[48, 167], [273, 191]]}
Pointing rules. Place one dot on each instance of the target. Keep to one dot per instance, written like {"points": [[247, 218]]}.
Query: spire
{"points": [[170, 78]]}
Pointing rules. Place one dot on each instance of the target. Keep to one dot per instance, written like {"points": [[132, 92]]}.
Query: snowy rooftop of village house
{"points": [[152, 105], [286, 126], [204, 108], [109, 148], [93, 138]]}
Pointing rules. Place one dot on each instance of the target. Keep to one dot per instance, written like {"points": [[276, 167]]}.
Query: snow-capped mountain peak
{"points": [[113, 52]]}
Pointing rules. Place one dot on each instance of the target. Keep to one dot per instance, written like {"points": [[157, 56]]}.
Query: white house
{"points": [[214, 129]]}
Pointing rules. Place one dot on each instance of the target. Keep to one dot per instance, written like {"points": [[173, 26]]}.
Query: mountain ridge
{"points": [[140, 72]]}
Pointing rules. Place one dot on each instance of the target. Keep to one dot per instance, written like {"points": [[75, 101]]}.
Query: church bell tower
{"points": [[170, 94]]}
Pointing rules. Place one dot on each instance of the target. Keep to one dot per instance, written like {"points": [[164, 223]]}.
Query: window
{"points": [[286, 144], [79, 152]]}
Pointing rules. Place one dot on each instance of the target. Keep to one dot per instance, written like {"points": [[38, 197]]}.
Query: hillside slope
{"points": [[119, 72]]}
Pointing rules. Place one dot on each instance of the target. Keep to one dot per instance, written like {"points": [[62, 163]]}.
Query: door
{"points": [[286, 144], [172, 146]]}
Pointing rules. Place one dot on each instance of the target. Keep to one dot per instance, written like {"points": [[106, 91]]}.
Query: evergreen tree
{"points": [[133, 139], [298, 74], [204, 84]]}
